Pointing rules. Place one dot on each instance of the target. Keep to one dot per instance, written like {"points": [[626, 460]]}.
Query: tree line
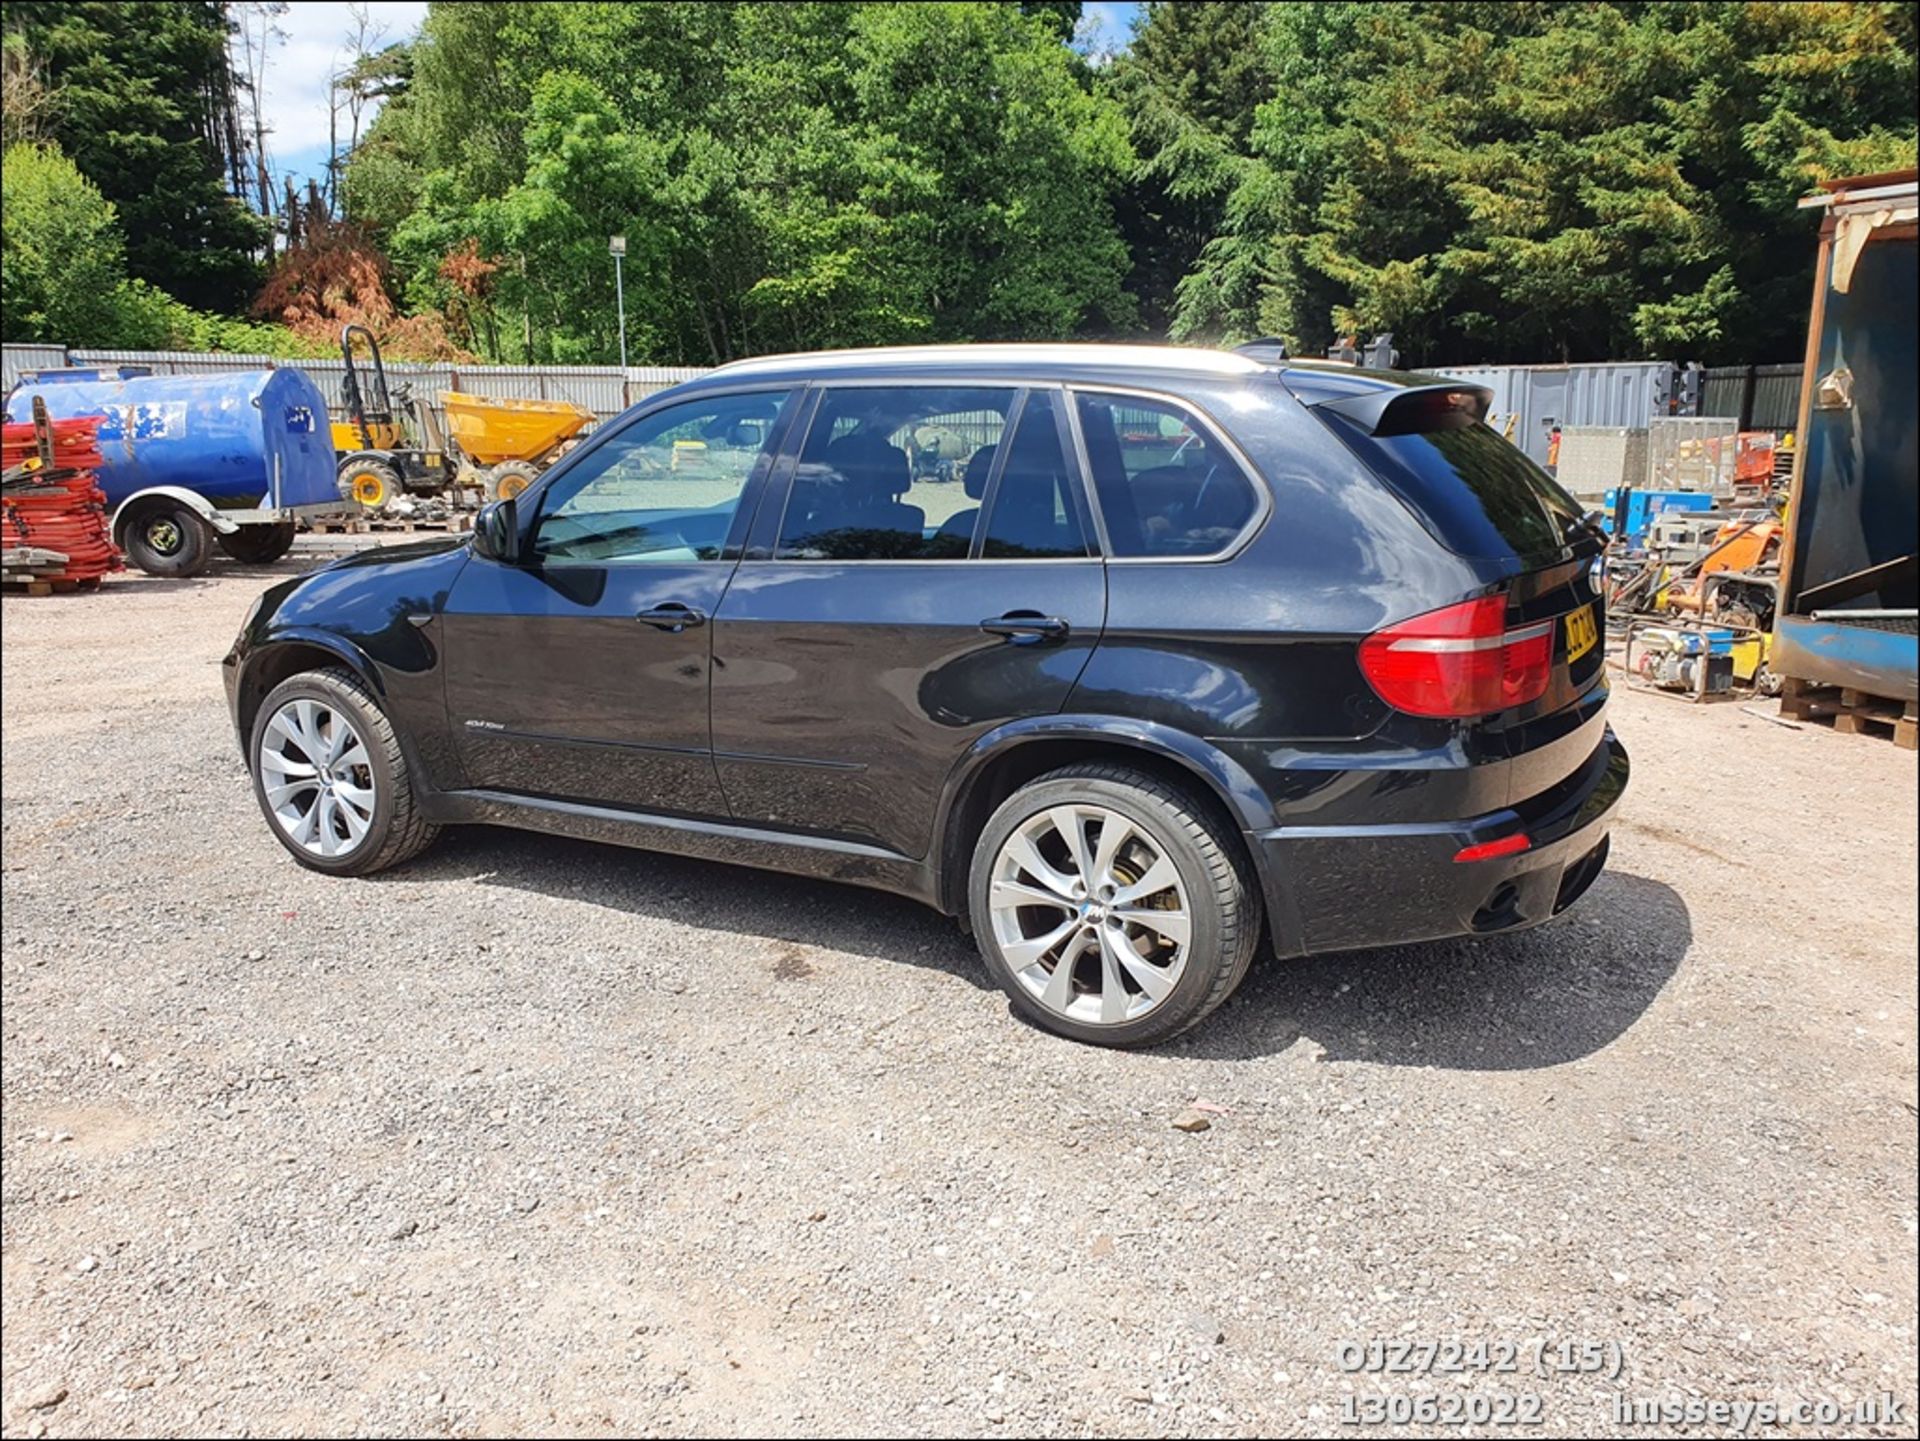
{"points": [[1501, 182]]}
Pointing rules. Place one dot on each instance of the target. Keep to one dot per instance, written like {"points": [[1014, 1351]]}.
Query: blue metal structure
{"points": [[245, 439], [1849, 578]]}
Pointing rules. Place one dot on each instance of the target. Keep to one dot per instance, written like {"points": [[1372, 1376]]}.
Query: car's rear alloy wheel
{"points": [[318, 778], [1112, 906], [1090, 914], [331, 777]]}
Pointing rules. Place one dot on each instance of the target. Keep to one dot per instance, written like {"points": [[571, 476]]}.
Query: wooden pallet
{"points": [[1853, 712], [364, 525], [26, 583]]}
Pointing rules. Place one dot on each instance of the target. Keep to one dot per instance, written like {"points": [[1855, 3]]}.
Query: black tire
{"points": [[510, 477], [259, 544], [166, 538], [369, 482], [397, 831], [1189, 830]]}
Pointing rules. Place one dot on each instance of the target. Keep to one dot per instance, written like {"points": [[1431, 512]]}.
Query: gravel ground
{"points": [[535, 1136]]}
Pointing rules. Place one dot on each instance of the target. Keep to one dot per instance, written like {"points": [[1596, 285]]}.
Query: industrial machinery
{"points": [[505, 444], [1699, 662], [377, 459], [1702, 572], [190, 461], [1738, 575]]}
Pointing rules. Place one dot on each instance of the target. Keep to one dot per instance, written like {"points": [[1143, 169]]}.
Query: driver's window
{"points": [[664, 489]]}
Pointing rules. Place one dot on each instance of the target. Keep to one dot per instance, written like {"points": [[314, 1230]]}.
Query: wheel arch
{"points": [[142, 500], [1005, 759], [289, 654]]}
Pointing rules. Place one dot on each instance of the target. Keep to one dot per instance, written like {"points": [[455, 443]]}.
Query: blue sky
{"points": [[1105, 28], [315, 44]]}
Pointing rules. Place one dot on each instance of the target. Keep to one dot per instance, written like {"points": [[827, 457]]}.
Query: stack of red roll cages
{"points": [[53, 514]]}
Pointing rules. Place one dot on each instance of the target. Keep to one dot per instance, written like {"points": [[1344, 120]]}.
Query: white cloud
{"points": [[1105, 30], [315, 44]]}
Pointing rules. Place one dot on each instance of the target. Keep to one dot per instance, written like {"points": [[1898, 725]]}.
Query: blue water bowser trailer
{"points": [[189, 462]]}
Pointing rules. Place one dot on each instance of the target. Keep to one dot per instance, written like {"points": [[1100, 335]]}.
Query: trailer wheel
{"points": [[259, 544], [168, 539], [510, 477]]}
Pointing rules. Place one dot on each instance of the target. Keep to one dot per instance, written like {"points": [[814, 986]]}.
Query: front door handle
{"points": [[673, 617], [1026, 627]]}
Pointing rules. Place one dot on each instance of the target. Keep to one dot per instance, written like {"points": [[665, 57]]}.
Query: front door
{"points": [[929, 577], [581, 673]]}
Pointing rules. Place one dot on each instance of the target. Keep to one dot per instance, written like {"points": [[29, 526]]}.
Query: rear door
{"points": [[883, 618]]}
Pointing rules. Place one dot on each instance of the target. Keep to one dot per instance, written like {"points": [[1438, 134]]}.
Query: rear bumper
{"points": [[1335, 888]]}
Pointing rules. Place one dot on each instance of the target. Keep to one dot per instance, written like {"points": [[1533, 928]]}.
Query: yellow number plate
{"points": [[431, 460], [1582, 633]]}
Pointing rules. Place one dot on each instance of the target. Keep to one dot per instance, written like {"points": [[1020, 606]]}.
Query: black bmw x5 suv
{"points": [[1136, 660]]}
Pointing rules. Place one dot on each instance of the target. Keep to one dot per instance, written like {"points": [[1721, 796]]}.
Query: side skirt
{"points": [[802, 855]]}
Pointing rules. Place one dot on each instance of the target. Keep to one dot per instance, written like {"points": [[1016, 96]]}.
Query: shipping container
{"points": [[1530, 400]]}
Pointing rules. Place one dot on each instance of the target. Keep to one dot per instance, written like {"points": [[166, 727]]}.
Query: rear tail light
{"points": [[1458, 662]]}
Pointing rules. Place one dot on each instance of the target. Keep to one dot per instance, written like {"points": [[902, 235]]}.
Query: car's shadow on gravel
{"points": [[708, 894], [1516, 1002], [1535, 998]]}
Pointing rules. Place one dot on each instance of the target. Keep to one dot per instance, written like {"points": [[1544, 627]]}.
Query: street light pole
{"points": [[617, 247]]}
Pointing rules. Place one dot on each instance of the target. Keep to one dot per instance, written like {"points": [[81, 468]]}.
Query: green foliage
{"points": [[1190, 86], [1496, 182], [150, 319], [62, 259], [1492, 182], [786, 176], [143, 102], [63, 277]]}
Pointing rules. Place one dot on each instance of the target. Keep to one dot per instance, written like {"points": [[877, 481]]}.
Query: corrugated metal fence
{"points": [[606, 390], [1759, 397]]}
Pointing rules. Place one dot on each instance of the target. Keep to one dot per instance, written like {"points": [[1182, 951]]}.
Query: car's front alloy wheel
{"points": [[331, 777], [318, 778]]}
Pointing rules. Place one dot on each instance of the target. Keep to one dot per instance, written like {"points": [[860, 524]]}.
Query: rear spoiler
{"points": [[1413, 409]]}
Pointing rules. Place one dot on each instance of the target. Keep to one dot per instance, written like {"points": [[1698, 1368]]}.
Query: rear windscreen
{"points": [[1477, 492]]}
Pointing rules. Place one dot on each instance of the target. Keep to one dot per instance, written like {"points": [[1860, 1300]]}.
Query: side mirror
{"points": [[496, 531]]}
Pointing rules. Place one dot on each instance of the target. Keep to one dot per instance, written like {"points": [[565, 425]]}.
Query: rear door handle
{"points": [[672, 616], [1026, 627]]}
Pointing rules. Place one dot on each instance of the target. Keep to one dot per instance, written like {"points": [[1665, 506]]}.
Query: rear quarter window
{"points": [[1168, 488], [1477, 491]]}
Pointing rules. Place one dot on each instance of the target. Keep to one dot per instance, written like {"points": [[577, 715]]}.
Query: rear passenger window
{"points": [[1165, 487], [1033, 514], [894, 473]]}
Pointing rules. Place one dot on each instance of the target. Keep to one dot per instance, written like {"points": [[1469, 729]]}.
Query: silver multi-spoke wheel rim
{"points": [[1090, 914], [317, 775]]}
